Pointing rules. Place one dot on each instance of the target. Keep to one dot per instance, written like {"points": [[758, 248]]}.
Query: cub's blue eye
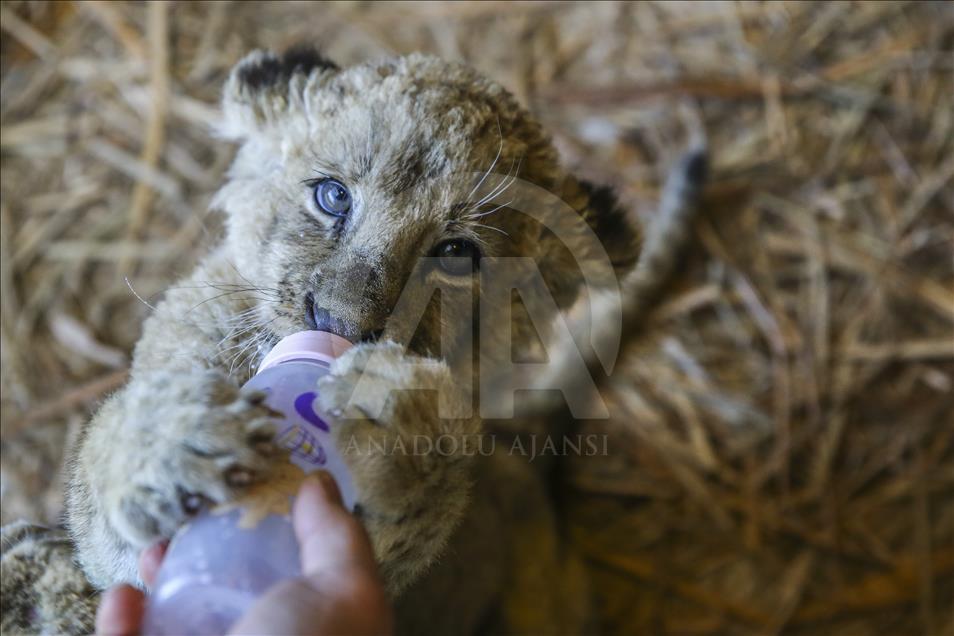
{"points": [[332, 197]]}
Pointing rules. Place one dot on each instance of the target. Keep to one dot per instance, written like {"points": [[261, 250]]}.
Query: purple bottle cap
{"points": [[308, 345]]}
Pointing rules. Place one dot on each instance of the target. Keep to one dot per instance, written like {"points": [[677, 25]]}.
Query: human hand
{"points": [[339, 593]]}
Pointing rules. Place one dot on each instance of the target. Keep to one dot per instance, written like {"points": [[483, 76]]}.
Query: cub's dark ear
{"points": [[261, 71], [264, 87], [613, 225], [573, 258]]}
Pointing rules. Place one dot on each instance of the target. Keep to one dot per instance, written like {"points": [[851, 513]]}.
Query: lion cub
{"points": [[345, 180]]}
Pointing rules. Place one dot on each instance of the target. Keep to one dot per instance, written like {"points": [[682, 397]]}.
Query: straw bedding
{"points": [[781, 454]]}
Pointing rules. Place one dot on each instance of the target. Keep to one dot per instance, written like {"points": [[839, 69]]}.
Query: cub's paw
{"points": [[399, 422], [382, 384], [198, 441], [407, 455]]}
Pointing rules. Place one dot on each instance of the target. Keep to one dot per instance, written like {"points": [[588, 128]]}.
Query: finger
{"points": [[149, 561], [295, 606], [290, 607], [120, 612], [341, 592], [330, 539]]}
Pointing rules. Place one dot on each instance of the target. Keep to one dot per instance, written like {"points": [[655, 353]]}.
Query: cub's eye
{"points": [[457, 257], [332, 197]]}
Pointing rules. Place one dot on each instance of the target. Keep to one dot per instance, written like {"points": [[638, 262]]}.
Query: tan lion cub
{"points": [[345, 180]]}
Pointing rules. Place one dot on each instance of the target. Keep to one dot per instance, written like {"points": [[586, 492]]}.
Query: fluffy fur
{"points": [[465, 543], [43, 590]]}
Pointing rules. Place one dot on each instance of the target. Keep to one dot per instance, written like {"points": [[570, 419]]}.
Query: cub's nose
{"points": [[321, 319], [324, 321]]}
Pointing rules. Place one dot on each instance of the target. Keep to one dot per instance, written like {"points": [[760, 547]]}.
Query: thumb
{"points": [[330, 539], [340, 591]]}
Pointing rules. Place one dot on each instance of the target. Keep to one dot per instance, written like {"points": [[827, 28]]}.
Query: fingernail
{"points": [[328, 486]]}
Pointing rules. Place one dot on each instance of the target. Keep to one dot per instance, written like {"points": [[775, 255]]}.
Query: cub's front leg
{"points": [[158, 452], [410, 466]]}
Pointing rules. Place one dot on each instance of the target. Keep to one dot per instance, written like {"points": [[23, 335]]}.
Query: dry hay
{"points": [[781, 459]]}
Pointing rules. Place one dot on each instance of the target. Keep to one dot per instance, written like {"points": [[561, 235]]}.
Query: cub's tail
{"points": [[664, 247], [667, 239]]}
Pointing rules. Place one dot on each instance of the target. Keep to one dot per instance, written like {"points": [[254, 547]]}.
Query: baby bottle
{"points": [[221, 561]]}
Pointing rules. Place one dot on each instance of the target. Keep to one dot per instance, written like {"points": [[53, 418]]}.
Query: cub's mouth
{"points": [[321, 319]]}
